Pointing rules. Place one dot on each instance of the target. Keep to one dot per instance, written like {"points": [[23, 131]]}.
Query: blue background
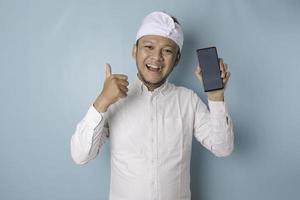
{"points": [[52, 56]]}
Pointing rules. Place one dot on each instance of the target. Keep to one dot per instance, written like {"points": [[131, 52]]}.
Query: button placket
{"points": [[154, 108], [152, 144]]}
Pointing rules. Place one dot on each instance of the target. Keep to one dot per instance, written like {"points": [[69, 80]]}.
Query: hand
{"points": [[115, 88], [216, 95]]}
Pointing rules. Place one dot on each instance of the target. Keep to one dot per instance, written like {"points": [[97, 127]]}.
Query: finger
{"points": [[221, 64], [223, 67], [122, 94], [123, 88], [221, 61], [228, 75], [225, 70], [107, 70], [123, 82], [225, 83], [223, 73], [120, 76], [198, 68], [225, 80], [198, 72], [226, 67], [224, 77]]}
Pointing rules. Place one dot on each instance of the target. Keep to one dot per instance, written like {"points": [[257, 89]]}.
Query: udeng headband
{"points": [[160, 23]]}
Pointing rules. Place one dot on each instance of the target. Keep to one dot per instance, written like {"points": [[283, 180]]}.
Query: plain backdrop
{"points": [[52, 56]]}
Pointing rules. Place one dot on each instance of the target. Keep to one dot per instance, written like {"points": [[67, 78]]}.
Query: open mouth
{"points": [[153, 68]]}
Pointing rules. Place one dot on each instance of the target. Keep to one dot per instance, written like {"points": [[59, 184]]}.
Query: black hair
{"points": [[174, 19]]}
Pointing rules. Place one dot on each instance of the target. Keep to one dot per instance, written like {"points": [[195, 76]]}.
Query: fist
{"points": [[114, 88]]}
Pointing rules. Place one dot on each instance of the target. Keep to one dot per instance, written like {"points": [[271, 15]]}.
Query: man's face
{"points": [[155, 58]]}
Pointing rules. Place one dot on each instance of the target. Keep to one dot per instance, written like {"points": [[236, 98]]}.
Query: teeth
{"points": [[153, 66]]}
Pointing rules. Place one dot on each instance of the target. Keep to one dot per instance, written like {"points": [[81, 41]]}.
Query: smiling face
{"points": [[155, 56]]}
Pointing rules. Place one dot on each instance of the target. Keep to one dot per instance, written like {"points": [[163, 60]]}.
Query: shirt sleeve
{"points": [[213, 128], [90, 135]]}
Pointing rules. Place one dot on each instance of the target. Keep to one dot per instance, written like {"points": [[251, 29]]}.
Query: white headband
{"points": [[160, 23]]}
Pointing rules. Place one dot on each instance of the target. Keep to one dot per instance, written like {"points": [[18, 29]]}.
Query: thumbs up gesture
{"points": [[115, 87]]}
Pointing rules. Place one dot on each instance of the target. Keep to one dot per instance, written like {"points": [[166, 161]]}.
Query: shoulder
{"points": [[187, 98], [185, 94], [181, 90]]}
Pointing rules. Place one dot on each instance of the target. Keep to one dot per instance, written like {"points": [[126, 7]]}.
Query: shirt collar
{"points": [[142, 88]]}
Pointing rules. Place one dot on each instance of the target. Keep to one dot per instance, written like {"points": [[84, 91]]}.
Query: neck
{"points": [[151, 86]]}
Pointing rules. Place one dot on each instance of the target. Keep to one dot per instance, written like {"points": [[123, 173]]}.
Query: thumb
{"points": [[107, 70]]}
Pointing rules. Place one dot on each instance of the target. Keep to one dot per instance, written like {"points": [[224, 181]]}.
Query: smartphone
{"points": [[209, 64]]}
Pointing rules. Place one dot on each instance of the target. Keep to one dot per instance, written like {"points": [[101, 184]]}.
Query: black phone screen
{"points": [[209, 64]]}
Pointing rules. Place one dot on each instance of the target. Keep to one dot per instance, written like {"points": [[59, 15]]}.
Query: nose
{"points": [[157, 55]]}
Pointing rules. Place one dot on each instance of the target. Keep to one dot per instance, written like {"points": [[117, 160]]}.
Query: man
{"points": [[151, 122]]}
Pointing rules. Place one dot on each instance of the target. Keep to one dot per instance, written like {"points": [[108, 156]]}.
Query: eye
{"points": [[148, 47], [168, 51]]}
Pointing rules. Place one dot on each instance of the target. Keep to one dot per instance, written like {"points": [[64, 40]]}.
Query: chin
{"points": [[148, 79], [154, 82]]}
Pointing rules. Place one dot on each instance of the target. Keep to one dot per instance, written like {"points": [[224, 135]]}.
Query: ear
{"points": [[177, 58], [134, 50]]}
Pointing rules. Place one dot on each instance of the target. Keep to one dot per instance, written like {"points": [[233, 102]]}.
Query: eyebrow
{"points": [[150, 41]]}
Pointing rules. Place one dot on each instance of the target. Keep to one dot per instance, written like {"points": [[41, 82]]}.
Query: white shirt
{"points": [[150, 137]]}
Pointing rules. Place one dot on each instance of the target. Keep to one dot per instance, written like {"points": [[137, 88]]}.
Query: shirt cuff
{"points": [[93, 117], [219, 112], [217, 107]]}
